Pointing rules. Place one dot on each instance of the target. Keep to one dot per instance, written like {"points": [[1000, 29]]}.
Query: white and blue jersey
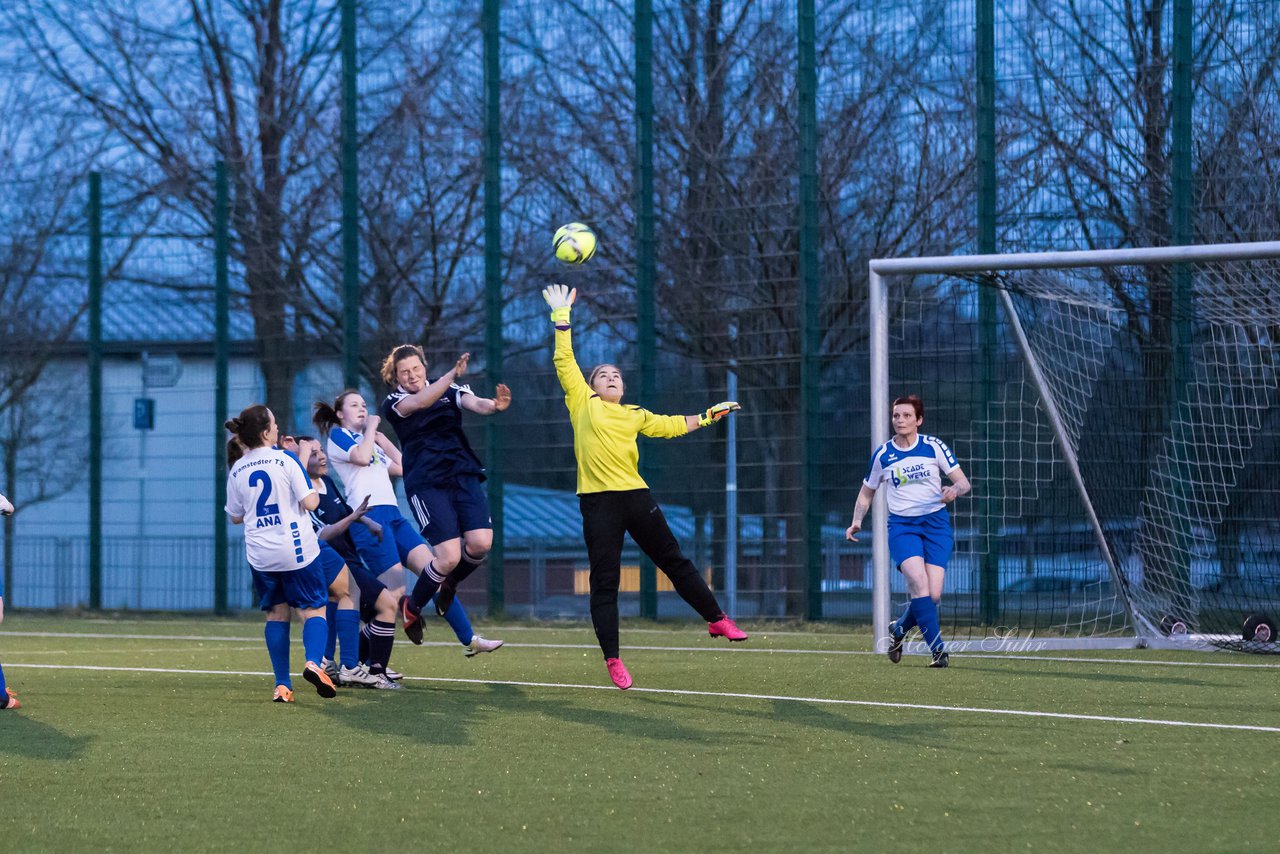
{"points": [[373, 480], [915, 475], [265, 488]]}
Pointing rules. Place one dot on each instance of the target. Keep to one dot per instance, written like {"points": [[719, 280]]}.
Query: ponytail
{"points": [[325, 416], [247, 429]]}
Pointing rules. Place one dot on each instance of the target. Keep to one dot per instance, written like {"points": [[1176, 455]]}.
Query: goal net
{"points": [[1118, 415]]}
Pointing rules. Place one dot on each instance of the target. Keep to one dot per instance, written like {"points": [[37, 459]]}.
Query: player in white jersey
{"points": [[920, 537], [268, 492], [366, 460], [8, 699]]}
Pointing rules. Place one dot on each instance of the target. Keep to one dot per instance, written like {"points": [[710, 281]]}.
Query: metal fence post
{"points": [[222, 345], [95, 390], [350, 204], [493, 292], [810, 308], [988, 501], [646, 265]]}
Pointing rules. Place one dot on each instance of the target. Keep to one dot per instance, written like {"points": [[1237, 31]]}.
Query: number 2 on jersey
{"points": [[261, 478]]}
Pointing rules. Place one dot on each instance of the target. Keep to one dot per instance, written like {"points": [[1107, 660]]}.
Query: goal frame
{"points": [[1145, 635]]}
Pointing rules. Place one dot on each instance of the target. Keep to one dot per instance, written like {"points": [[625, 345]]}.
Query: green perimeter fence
{"points": [[247, 218]]}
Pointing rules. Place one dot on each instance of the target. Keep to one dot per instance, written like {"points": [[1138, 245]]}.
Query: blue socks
{"points": [[331, 619], [277, 635], [347, 630], [925, 611], [3, 696], [315, 631], [907, 621], [459, 622]]}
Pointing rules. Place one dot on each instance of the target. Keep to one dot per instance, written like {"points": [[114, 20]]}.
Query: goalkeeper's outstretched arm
{"points": [[560, 298]]}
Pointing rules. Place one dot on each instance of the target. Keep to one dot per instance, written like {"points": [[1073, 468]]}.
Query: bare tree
{"points": [[177, 86], [892, 182], [42, 299]]}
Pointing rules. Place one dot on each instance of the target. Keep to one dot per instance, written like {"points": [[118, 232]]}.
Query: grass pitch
{"points": [[794, 741]]}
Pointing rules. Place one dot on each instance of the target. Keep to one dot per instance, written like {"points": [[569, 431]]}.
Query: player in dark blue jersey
{"points": [[443, 477], [394, 550], [8, 699]]}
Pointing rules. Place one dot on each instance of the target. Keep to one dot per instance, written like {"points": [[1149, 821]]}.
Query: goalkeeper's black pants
{"points": [[606, 517]]}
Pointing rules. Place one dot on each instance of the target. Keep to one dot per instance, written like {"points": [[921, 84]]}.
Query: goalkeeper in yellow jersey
{"points": [[614, 499]]}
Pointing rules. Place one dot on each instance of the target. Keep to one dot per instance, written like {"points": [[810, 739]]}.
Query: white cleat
{"points": [[382, 683], [393, 675], [330, 668], [358, 675], [479, 645]]}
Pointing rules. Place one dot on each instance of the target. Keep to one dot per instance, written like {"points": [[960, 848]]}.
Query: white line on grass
{"points": [[736, 649], [718, 694]]}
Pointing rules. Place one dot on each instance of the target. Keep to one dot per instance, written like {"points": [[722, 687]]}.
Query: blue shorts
{"points": [[398, 539], [447, 512], [927, 537], [331, 563], [297, 588]]}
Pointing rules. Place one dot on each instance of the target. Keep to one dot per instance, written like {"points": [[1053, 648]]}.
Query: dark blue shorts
{"points": [[370, 587], [449, 511], [331, 563], [927, 537], [398, 539], [297, 588]]}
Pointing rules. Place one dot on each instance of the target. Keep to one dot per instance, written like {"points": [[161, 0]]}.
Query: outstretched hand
{"points": [[560, 298], [460, 366], [362, 509], [715, 413], [501, 398]]}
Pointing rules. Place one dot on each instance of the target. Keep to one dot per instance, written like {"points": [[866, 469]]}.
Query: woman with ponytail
{"points": [[366, 460], [268, 492]]}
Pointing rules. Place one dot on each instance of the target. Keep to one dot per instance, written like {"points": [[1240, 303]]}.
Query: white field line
{"points": [[736, 649], [977, 710], [136, 651]]}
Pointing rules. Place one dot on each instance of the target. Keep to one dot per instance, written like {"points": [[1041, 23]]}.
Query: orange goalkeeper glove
{"points": [[715, 413]]}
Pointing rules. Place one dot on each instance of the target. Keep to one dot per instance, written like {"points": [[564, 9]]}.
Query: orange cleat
{"points": [[11, 700], [282, 695], [317, 677]]}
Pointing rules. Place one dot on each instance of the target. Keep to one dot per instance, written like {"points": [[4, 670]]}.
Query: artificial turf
{"points": [[132, 759]]}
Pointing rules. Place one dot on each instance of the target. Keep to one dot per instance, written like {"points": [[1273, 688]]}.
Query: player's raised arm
{"points": [[561, 298], [487, 405], [431, 392]]}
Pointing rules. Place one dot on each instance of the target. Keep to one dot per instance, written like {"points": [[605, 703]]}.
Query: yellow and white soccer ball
{"points": [[574, 243]]}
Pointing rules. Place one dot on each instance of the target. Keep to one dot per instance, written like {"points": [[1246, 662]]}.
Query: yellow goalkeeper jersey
{"points": [[604, 434]]}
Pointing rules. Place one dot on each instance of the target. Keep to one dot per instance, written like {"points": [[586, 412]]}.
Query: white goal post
{"points": [[1075, 336]]}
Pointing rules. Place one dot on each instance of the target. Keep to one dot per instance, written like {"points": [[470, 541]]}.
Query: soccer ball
{"points": [[574, 243]]}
